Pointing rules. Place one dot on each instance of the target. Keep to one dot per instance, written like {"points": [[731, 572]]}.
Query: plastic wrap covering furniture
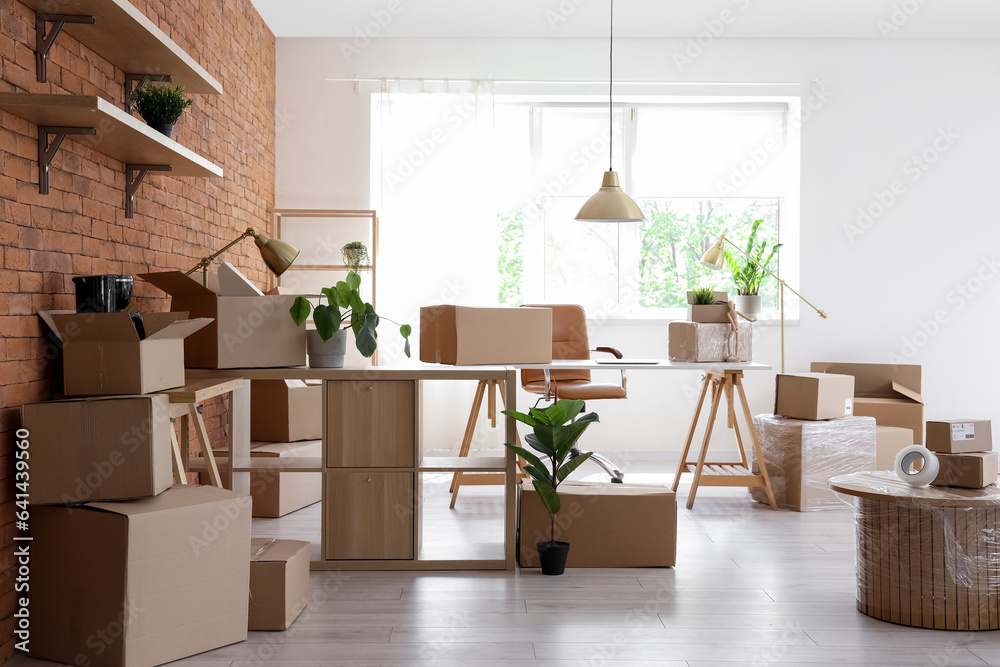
{"points": [[698, 341], [801, 457], [927, 557]]}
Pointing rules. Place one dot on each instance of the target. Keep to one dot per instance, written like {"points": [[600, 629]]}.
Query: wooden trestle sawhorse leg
{"points": [[728, 383], [488, 389]]}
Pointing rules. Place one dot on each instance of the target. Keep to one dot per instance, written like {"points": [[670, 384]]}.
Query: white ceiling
{"points": [[633, 18]]}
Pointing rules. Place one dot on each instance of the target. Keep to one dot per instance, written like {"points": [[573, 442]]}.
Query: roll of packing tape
{"points": [[906, 459]]}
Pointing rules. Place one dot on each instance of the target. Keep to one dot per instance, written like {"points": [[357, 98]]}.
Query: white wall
{"points": [[891, 289]]}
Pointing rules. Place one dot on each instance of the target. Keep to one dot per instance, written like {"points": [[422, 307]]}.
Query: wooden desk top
{"points": [[397, 372], [885, 485], [660, 365]]}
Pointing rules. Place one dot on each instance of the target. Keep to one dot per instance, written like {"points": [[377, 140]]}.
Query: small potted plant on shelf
{"points": [[355, 255], [555, 429], [707, 305], [749, 272], [160, 105], [343, 311]]}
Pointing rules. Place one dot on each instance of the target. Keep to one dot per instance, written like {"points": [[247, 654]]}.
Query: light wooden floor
{"points": [[751, 587]]}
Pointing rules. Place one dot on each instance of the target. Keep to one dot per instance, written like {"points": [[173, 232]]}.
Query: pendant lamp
{"points": [[610, 203]]}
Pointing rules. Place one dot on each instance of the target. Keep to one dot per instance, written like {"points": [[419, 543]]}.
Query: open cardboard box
{"points": [[889, 393], [248, 331], [715, 312], [103, 355]]}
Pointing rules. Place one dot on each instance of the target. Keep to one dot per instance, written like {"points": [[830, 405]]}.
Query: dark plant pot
{"points": [[102, 294], [553, 558], [165, 129]]}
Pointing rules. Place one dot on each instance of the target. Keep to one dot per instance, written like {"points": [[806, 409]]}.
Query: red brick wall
{"points": [[80, 227]]}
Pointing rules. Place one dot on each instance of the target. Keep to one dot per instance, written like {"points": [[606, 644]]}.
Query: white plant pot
{"points": [[326, 353], [750, 305]]}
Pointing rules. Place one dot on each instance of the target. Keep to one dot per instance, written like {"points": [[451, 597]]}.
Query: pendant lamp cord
{"points": [[611, 88]]}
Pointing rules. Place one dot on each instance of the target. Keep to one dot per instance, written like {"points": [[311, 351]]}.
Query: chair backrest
{"points": [[569, 341]]}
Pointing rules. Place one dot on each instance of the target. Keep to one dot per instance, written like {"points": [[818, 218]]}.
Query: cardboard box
{"points": [[103, 354], [607, 525], [464, 336], [974, 470], [99, 448], [814, 396], [889, 393], [697, 342], [715, 313], [248, 331], [279, 582], [276, 494], [140, 582], [889, 441], [958, 436], [801, 457], [285, 410]]}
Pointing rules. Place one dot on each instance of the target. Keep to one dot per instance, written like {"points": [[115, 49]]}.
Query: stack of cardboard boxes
{"points": [[964, 450], [124, 568], [705, 336], [813, 435]]}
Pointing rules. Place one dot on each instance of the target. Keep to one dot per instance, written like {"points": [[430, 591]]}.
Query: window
{"points": [[697, 169]]}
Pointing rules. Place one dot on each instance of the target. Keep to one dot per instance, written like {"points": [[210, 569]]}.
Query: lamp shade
{"points": [[715, 258], [610, 204], [277, 254]]}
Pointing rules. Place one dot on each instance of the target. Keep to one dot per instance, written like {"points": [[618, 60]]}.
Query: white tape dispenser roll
{"points": [[906, 459]]}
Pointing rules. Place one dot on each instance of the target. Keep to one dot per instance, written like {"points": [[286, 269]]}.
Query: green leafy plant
{"points": [[747, 275], [355, 255], [160, 104], [703, 296], [345, 309], [555, 429]]}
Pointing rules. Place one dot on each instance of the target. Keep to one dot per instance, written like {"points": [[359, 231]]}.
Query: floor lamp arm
{"points": [[781, 281]]}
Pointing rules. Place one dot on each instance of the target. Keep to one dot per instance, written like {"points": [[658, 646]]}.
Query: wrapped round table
{"points": [[928, 557]]}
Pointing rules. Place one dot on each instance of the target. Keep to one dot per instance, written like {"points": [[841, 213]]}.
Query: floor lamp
{"points": [[715, 259]]}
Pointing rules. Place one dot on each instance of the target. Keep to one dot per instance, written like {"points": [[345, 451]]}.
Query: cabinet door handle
{"points": [[369, 480], [370, 388]]}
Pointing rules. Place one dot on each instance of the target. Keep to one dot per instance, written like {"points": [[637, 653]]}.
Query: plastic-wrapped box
{"points": [[802, 455], [697, 341], [928, 557]]}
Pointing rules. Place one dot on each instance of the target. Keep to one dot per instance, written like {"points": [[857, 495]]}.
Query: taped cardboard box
{"points": [[801, 456], [958, 436], [889, 441], [716, 312], [99, 448], [462, 335], [698, 342], [889, 393], [607, 525], [279, 582], [103, 353], [248, 331], [814, 396], [142, 582], [285, 410], [974, 470]]}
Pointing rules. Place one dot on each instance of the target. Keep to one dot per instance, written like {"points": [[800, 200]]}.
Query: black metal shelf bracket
{"points": [[133, 81], [50, 138], [134, 173], [44, 39]]}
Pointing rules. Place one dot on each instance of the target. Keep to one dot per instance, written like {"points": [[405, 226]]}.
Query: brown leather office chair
{"points": [[570, 341]]}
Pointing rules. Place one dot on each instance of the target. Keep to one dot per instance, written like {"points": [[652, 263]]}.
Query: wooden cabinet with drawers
{"points": [[369, 515]]}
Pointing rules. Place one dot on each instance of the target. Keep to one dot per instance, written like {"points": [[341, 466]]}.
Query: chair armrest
{"points": [[609, 350]]}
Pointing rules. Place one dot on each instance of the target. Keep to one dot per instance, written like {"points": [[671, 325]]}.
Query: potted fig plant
{"points": [[749, 272], [555, 430], [343, 311], [355, 255], [160, 105]]}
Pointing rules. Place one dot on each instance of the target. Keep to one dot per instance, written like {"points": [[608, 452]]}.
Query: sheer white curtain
{"points": [[433, 185]]}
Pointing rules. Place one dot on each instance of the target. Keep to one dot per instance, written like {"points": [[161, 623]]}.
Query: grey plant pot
{"points": [[749, 305], [326, 353]]}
